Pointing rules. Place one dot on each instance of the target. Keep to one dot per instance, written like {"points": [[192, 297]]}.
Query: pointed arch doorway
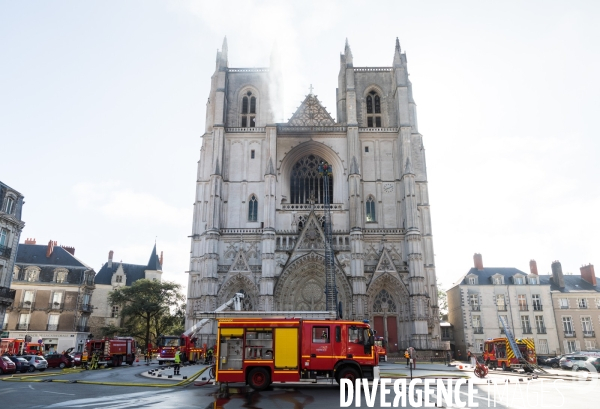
{"points": [[385, 319]]}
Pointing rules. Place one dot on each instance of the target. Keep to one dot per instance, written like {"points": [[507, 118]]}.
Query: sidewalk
{"points": [[423, 370]]}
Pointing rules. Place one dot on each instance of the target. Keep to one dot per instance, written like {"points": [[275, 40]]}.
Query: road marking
{"points": [[59, 393], [115, 401]]}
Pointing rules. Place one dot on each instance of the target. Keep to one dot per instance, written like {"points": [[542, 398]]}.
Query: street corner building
{"points": [[53, 296], [259, 205]]}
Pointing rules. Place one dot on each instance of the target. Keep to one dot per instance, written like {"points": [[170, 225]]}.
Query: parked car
{"points": [[6, 365], [22, 365], [59, 361], [553, 362], [36, 362], [77, 358], [573, 362], [592, 364]]}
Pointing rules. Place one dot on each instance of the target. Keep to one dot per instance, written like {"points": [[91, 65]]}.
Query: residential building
{"points": [[11, 225], [259, 203], [484, 294], [576, 304], [53, 296], [113, 275]]}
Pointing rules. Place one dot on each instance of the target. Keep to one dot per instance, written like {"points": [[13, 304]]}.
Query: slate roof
{"points": [[35, 254], [572, 283], [485, 275], [133, 272]]}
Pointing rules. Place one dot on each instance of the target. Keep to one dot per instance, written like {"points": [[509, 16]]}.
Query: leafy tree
{"points": [[442, 302], [146, 309]]}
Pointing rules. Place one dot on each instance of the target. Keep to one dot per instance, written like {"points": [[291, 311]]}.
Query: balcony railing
{"points": [[5, 251], [52, 327], [501, 307], [523, 307], [27, 305], [7, 296], [589, 334], [569, 334], [478, 330], [582, 306], [87, 307], [475, 307], [81, 328], [56, 305], [527, 330], [23, 327], [541, 330], [537, 307]]}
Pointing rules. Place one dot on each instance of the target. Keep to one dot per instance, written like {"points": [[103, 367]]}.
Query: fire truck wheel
{"points": [[258, 379], [347, 373], [504, 366]]}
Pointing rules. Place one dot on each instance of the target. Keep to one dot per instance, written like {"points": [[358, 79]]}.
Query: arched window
{"points": [[371, 210], [253, 209], [306, 183], [382, 300], [249, 110], [9, 205], [373, 110]]}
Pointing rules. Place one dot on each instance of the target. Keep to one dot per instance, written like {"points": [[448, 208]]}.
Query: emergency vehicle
{"points": [[15, 346], [186, 342], [259, 351], [381, 351], [113, 351], [498, 353]]}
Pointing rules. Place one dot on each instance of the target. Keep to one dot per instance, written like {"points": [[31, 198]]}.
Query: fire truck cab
{"points": [[497, 353], [381, 351], [260, 351], [15, 346]]}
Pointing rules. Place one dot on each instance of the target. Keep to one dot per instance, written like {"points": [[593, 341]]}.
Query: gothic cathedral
{"points": [[258, 212]]}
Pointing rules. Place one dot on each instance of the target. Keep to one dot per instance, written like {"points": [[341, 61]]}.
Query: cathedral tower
{"points": [[258, 212]]}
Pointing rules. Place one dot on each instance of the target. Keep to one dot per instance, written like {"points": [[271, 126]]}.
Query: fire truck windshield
{"points": [[168, 341]]}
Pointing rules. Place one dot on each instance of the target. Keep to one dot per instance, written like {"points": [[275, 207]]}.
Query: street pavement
{"points": [[519, 393]]}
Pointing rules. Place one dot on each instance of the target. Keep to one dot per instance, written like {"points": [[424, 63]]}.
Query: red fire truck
{"points": [[186, 342], [112, 351], [497, 353], [15, 346], [381, 351], [260, 351]]}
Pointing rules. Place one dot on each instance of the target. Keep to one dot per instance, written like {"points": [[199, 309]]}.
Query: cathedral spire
{"points": [[224, 52], [348, 53], [397, 54]]}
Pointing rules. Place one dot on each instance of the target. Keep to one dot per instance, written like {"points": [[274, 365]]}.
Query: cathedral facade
{"points": [[259, 205]]}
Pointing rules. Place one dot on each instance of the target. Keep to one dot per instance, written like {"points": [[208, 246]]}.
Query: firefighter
{"points": [[177, 362], [209, 357], [95, 360], [407, 356]]}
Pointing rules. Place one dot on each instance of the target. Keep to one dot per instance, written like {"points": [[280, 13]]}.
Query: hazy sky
{"points": [[102, 105]]}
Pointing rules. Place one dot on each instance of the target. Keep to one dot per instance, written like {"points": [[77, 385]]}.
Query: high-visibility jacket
{"points": [[406, 355], [177, 357]]}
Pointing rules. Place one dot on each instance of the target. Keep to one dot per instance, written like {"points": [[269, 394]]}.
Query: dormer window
{"points": [[499, 280], [373, 110], [9, 205], [533, 280], [518, 280], [472, 280], [61, 276], [249, 110], [119, 279]]}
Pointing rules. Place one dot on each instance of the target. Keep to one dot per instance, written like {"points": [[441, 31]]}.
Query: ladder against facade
{"points": [[515, 347], [330, 286], [312, 315]]}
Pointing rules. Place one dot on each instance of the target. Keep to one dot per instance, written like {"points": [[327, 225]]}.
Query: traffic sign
{"points": [[40, 341]]}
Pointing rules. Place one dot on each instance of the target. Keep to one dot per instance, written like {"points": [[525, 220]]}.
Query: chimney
{"points": [[110, 257], [69, 249], [588, 274], [557, 275], [478, 261], [29, 241], [160, 260], [50, 248], [533, 267]]}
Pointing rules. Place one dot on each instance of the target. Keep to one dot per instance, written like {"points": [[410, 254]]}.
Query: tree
{"points": [[145, 306], [442, 302]]}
